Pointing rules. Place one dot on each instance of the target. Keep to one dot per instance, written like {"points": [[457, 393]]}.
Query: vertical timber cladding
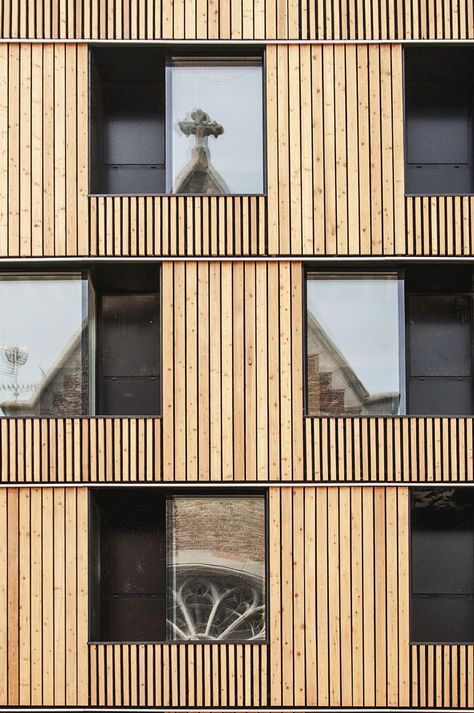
{"points": [[339, 596], [43, 597], [440, 225], [237, 19], [43, 169], [232, 371], [335, 165]]}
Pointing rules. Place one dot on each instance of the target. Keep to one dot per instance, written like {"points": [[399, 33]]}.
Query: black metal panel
{"points": [[438, 104], [127, 120], [442, 619], [128, 544], [128, 396], [440, 354], [442, 564], [129, 348]]}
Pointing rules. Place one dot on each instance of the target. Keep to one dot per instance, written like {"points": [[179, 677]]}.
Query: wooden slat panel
{"points": [[240, 363], [335, 168], [385, 449], [44, 597], [239, 19], [176, 674], [406, 449], [45, 166], [442, 676], [440, 225], [149, 216], [134, 453], [343, 606], [354, 186]]}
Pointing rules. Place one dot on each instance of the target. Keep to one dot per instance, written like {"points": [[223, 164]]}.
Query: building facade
{"points": [[236, 354]]}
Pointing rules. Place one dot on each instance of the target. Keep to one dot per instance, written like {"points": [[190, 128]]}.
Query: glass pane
{"points": [[43, 345], [216, 568], [353, 344], [215, 127]]}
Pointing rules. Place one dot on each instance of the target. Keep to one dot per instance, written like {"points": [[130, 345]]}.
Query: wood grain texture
{"points": [[339, 590], [237, 19], [44, 118], [336, 175], [232, 383], [43, 598]]}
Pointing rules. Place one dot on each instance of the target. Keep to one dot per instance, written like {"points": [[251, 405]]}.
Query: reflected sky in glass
{"points": [[232, 96], [361, 317], [43, 316]]}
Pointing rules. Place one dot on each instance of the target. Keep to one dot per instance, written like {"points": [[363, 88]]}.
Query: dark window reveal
{"points": [[177, 567], [163, 123], [442, 564], [439, 129]]}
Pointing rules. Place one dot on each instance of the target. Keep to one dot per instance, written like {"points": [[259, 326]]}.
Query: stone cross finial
{"points": [[201, 126]]}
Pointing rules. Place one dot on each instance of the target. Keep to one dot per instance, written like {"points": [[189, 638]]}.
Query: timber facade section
{"points": [[233, 346]]}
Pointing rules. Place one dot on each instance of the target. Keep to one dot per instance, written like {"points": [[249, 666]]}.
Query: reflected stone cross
{"points": [[201, 126], [198, 175]]}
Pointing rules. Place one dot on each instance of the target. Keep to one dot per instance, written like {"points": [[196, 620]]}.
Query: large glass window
{"points": [[442, 562], [216, 568], [177, 568], [353, 344], [390, 343], [214, 146], [182, 124], [73, 344], [43, 345]]}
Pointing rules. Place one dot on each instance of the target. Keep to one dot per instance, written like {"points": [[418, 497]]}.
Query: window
{"points": [[390, 343], [442, 565], [78, 343], [172, 567], [439, 97], [179, 123]]}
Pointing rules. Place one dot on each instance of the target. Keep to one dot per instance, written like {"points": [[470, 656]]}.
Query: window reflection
{"points": [[353, 344], [216, 568], [43, 345], [215, 126]]}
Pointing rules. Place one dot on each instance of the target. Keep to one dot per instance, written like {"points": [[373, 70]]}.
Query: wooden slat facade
{"points": [[440, 225], [237, 19], [442, 676], [339, 597], [43, 597], [336, 450], [232, 378], [232, 361], [183, 675], [338, 611], [335, 164], [177, 226], [408, 449]]}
